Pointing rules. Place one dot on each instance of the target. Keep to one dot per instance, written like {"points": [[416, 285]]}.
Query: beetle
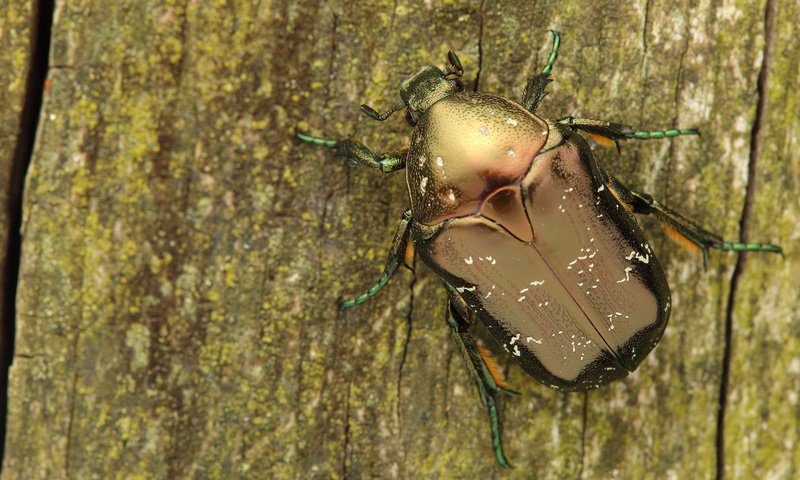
{"points": [[531, 237]]}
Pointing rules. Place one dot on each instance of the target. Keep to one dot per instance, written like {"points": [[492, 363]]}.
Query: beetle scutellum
{"points": [[530, 236]]}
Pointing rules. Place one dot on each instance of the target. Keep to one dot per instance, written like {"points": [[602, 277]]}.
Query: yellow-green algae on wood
{"points": [[183, 255], [14, 37]]}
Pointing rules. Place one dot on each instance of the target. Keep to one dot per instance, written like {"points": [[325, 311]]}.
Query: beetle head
{"points": [[423, 88]]}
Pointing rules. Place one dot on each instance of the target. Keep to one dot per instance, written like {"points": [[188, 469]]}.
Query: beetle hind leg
{"points": [[357, 154], [679, 227], [397, 255], [486, 376]]}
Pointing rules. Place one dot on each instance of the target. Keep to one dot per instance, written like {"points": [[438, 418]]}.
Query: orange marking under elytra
{"points": [[493, 367], [681, 239], [601, 140], [408, 257]]}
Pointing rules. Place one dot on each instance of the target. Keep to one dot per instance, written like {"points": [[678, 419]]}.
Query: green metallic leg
{"points": [[487, 386], [616, 131], [396, 256], [357, 154], [644, 203], [534, 90]]}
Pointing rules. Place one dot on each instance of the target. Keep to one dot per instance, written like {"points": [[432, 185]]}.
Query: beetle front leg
{"points": [[534, 91], [481, 368], [680, 227], [397, 254], [357, 154]]}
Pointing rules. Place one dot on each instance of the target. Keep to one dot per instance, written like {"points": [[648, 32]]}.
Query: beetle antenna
{"points": [[373, 114], [453, 65]]}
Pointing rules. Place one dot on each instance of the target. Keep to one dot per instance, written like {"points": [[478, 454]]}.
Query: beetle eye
{"points": [[410, 119]]}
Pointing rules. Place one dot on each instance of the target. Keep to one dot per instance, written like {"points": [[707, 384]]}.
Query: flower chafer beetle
{"points": [[530, 236]]}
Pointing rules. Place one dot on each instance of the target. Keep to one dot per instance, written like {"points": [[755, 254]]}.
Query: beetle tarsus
{"points": [[553, 53], [322, 142], [395, 257], [497, 441]]}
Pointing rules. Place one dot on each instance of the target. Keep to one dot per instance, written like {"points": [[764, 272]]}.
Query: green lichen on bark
{"points": [[184, 255], [14, 28]]}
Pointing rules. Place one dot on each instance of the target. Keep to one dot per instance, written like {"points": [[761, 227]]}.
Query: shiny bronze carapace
{"points": [[531, 242], [531, 237]]}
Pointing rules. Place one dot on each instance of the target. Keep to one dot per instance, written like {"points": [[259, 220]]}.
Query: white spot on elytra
{"points": [[642, 258], [451, 195], [511, 153], [601, 188], [531, 339], [440, 161], [466, 289], [515, 338], [422, 160], [521, 298], [422, 184], [627, 275], [468, 261], [537, 282], [511, 122], [484, 130]]}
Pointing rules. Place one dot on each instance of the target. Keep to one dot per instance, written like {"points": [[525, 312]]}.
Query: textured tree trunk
{"points": [[183, 254]]}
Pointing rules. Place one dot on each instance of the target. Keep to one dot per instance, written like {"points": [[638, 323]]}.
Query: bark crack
{"points": [[481, 15], [744, 227], [406, 342], [676, 99], [584, 420], [39, 51], [72, 404], [346, 446], [331, 61]]}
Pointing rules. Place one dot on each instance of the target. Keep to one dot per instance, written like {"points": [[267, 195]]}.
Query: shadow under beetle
{"points": [[531, 237]]}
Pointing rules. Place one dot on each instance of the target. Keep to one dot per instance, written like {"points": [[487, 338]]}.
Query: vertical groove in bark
{"points": [[39, 48], [481, 21], [744, 231]]}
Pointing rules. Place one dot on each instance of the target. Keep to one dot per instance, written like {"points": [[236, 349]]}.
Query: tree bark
{"points": [[183, 254]]}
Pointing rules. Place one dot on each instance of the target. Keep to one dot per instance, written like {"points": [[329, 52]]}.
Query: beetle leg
{"points": [[617, 131], [535, 88], [679, 227], [357, 154], [396, 256], [481, 372]]}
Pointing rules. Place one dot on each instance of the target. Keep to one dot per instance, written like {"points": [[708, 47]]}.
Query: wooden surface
{"points": [[183, 254]]}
